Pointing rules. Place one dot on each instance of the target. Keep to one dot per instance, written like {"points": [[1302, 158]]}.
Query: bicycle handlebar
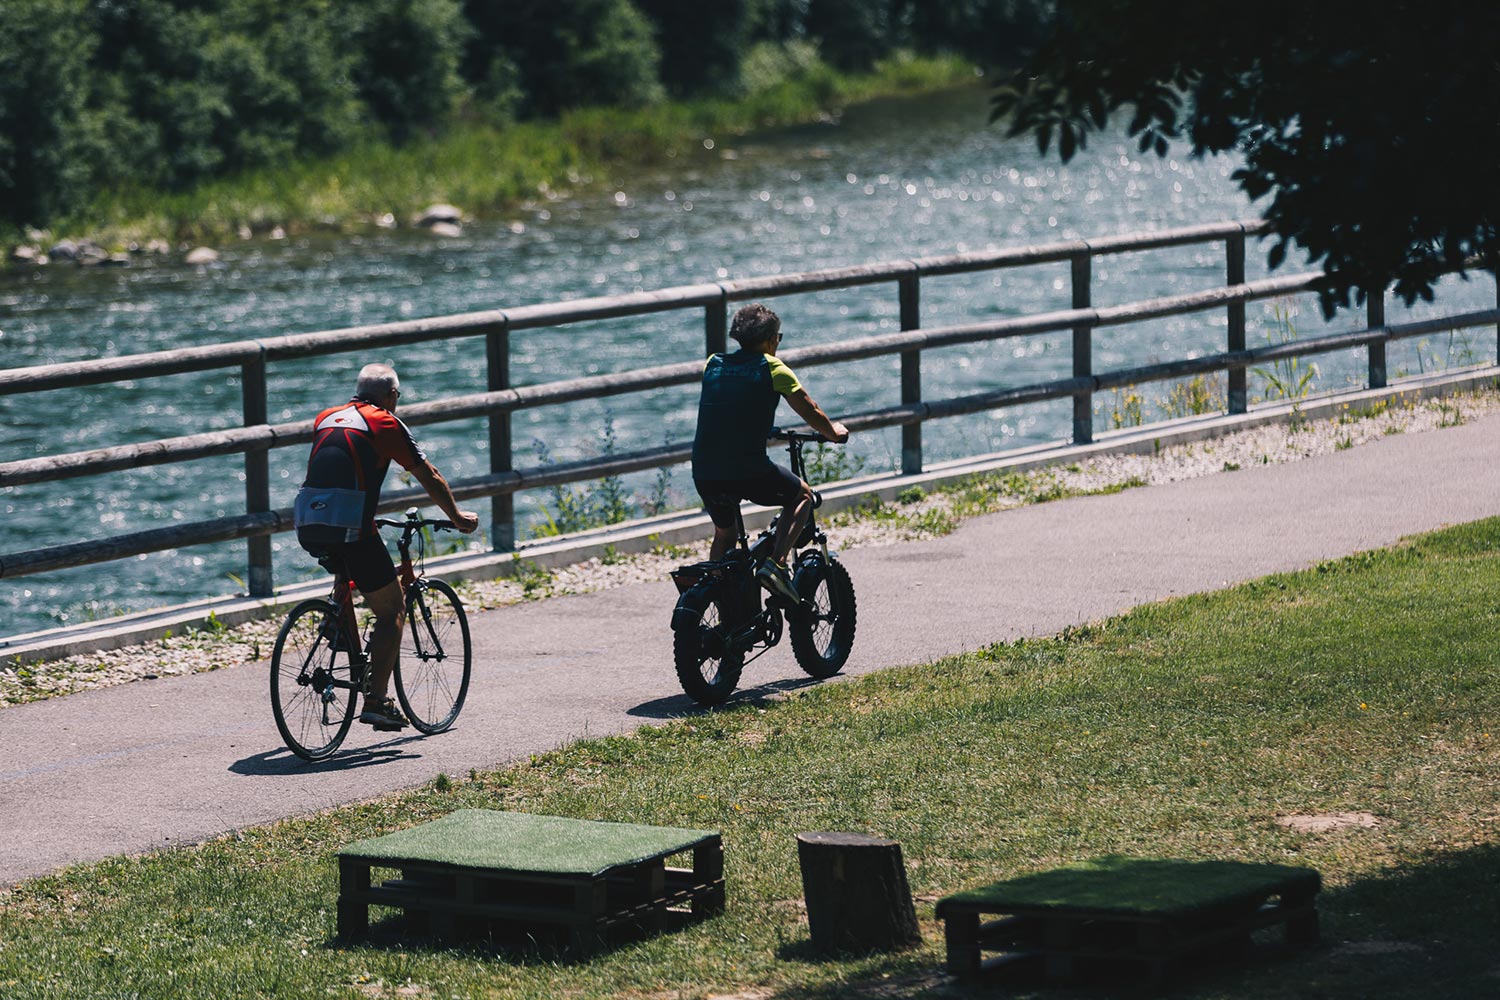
{"points": [[411, 523], [782, 434]]}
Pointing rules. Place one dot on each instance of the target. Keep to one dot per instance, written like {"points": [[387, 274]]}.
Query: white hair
{"points": [[376, 381]]}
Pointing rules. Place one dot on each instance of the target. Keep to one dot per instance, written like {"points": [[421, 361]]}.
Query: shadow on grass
{"points": [[1424, 931], [495, 941], [679, 706]]}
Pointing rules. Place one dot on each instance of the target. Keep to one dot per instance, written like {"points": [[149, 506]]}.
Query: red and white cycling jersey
{"points": [[353, 447]]}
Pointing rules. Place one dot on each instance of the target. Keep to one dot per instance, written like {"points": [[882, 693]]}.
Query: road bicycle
{"points": [[722, 615], [319, 663]]}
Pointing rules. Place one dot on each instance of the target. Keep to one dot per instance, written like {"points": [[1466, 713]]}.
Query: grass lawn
{"points": [[1183, 729]]}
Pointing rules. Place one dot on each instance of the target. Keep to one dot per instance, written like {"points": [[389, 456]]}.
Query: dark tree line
{"points": [[161, 94]]}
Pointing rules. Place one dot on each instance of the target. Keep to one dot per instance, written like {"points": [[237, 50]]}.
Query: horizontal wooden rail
{"points": [[1292, 349], [988, 260], [71, 374], [539, 477], [263, 437], [257, 437], [190, 359]]}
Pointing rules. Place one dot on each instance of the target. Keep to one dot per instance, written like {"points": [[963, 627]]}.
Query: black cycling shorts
{"points": [[367, 561], [721, 497]]}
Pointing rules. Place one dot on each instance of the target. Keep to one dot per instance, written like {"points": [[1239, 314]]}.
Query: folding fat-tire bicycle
{"points": [[722, 614], [319, 663]]}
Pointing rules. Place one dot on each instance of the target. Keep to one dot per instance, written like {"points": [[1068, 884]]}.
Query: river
{"points": [[888, 180]]}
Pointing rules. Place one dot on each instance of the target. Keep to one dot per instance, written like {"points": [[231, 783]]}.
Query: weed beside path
{"points": [[1190, 728]]}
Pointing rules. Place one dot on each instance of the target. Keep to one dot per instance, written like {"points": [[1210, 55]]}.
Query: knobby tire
{"points": [[707, 674], [823, 637]]}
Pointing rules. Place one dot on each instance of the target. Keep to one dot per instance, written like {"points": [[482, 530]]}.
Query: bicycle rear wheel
{"points": [[706, 668], [312, 695], [432, 675]]}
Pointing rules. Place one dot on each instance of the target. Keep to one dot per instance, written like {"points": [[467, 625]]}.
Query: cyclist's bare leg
{"points": [[793, 519], [389, 608], [723, 539]]}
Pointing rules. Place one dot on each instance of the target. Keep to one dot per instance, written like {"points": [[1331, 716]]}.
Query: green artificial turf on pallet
{"points": [[1142, 886], [521, 842]]}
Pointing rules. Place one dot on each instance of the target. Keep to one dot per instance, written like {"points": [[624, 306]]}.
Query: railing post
{"points": [[716, 325], [1083, 349], [1235, 391], [502, 505], [258, 577], [1375, 317], [910, 291]]}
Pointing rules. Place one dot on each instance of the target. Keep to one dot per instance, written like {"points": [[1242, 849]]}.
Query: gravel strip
{"points": [[919, 516]]}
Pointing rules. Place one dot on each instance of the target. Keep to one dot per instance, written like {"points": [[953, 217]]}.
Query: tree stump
{"points": [[856, 892]]}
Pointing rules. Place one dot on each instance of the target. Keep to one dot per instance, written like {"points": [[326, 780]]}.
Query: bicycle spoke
{"points": [[308, 683], [432, 676]]}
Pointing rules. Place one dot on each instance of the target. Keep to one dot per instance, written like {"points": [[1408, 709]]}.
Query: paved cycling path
{"points": [[177, 760]]}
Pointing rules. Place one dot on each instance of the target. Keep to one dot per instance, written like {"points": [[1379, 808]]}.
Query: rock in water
{"points": [[440, 213]]}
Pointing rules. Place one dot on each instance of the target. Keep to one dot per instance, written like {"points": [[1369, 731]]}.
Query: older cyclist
{"points": [[353, 447]]}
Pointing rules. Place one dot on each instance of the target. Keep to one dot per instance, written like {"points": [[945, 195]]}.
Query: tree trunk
{"points": [[856, 892]]}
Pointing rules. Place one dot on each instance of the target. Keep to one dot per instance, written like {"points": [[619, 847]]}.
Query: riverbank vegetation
{"points": [[154, 118], [1339, 718]]}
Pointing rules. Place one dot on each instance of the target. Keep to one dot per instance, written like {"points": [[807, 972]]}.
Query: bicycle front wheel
{"points": [[432, 675], [823, 635], [312, 695]]}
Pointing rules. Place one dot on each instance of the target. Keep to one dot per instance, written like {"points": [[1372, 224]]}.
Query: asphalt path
{"points": [[172, 761]]}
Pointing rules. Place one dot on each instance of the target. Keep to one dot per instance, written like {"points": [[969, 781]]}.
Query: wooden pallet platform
{"points": [[1113, 913], [478, 871]]}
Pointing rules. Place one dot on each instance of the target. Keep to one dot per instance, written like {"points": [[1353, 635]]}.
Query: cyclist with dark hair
{"points": [[736, 412], [353, 447]]}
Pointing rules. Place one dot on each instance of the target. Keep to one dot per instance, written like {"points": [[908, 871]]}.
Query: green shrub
{"points": [[44, 52], [852, 34], [701, 43], [769, 64], [407, 63], [567, 53]]}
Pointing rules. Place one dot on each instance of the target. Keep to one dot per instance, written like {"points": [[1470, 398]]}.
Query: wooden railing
{"points": [[257, 437]]}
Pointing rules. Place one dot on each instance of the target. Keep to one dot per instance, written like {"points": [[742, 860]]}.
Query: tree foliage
{"points": [[567, 53], [1374, 132], [701, 43], [162, 95], [44, 52], [407, 55], [179, 92]]}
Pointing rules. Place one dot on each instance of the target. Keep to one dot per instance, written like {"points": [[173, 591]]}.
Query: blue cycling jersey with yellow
{"points": [[736, 411]]}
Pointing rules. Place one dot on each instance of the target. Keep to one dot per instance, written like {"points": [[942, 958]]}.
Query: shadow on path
{"points": [[282, 761]]}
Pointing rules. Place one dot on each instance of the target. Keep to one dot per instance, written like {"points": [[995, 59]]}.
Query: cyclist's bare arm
{"points": [[819, 421], [442, 494]]}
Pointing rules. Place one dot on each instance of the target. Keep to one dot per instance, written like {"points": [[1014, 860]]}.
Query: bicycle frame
{"points": [[341, 598], [701, 582]]}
